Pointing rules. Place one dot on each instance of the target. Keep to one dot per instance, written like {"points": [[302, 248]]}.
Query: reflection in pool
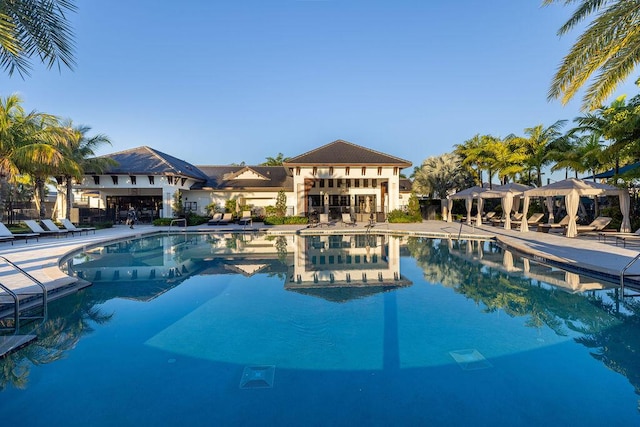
{"points": [[246, 329]]}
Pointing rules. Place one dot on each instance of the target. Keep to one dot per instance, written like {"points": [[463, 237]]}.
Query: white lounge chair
{"points": [[347, 220], [51, 226], [598, 224], [36, 228], [246, 218], [7, 236], [68, 225], [324, 220], [215, 219]]}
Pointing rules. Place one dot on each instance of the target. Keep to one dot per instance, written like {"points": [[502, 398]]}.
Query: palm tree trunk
{"points": [[68, 197]]}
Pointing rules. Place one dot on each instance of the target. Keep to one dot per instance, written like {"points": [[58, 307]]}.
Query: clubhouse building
{"points": [[335, 178]]}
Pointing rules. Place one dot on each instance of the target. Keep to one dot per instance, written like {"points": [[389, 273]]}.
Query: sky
{"points": [[216, 82]]}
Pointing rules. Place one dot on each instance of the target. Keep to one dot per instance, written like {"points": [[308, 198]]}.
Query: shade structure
{"points": [[506, 193], [572, 189], [468, 195]]}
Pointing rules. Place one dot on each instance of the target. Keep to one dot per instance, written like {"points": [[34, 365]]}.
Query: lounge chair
{"points": [[324, 220], [598, 224], [534, 220], [246, 218], [51, 226], [545, 228], [486, 218], [36, 228], [622, 237], [215, 219], [68, 225], [7, 236], [226, 218], [347, 220]]}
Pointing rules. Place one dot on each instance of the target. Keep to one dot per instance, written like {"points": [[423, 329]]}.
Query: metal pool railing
{"points": [[16, 297]]}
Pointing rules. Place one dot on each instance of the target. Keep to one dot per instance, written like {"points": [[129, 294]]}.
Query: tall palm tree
{"points": [[80, 155], [609, 49], [28, 144], [537, 143], [35, 28]]}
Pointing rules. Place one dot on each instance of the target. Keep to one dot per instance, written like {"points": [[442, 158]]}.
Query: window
{"points": [[96, 180], [330, 170], [374, 183], [329, 183], [364, 170], [322, 183], [315, 171], [170, 180], [114, 178], [338, 183], [348, 183], [395, 171], [151, 179], [298, 170], [133, 179], [365, 183], [379, 170], [346, 170], [356, 183]]}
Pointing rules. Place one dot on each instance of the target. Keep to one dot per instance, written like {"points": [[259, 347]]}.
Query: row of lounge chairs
{"points": [[221, 219], [48, 228]]}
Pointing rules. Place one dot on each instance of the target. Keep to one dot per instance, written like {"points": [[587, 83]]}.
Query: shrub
{"points": [[277, 220], [400, 216]]}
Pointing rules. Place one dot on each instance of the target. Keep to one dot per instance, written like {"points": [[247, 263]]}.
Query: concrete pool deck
{"points": [[583, 254]]}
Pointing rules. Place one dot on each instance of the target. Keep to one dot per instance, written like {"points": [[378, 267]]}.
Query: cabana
{"points": [[468, 195], [572, 189], [507, 194]]}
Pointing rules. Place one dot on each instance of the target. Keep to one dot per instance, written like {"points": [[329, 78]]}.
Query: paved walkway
{"points": [[582, 254]]}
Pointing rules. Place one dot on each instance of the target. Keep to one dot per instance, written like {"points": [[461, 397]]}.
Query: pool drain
{"points": [[470, 359], [260, 376]]}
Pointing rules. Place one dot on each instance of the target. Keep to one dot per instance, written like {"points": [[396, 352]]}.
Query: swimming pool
{"points": [[325, 330]]}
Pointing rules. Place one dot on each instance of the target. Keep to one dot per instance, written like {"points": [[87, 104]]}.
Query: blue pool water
{"points": [[340, 330]]}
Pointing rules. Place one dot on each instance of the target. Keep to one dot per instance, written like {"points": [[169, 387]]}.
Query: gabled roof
{"points": [[341, 152], [147, 161], [222, 177]]}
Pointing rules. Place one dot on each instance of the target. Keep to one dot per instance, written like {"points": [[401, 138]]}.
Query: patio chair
{"points": [[534, 220], [68, 225], [215, 219], [545, 228], [226, 218], [36, 228], [246, 218], [51, 226], [347, 220], [622, 237], [598, 224], [324, 220], [7, 236]]}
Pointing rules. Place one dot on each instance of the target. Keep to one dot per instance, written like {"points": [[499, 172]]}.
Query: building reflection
{"points": [[334, 267]]}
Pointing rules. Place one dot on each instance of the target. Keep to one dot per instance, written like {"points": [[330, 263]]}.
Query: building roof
{"points": [[147, 161], [266, 177], [406, 186], [341, 152], [611, 172]]}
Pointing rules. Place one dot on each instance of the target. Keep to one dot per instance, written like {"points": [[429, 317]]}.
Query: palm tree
{"points": [[80, 155], [537, 143], [28, 145], [275, 161], [609, 49], [35, 28]]}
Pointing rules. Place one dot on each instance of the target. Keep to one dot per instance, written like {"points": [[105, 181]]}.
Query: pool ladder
{"points": [[28, 298], [176, 221], [623, 275]]}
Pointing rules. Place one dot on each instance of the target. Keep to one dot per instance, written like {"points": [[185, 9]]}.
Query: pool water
{"points": [[347, 330]]}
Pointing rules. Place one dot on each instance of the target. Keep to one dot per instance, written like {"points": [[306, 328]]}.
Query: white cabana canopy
{"points": [[468, 195], [508, 193], [572, 189]]}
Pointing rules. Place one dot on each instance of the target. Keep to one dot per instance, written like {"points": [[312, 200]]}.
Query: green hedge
{"points": [[280, 220], [399, 216]]}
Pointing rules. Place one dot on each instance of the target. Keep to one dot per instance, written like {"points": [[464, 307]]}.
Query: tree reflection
{"points": [[69, 320]]}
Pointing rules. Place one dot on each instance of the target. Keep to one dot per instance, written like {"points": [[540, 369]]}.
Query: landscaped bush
{"points": [[277, 220], [400, 216]]}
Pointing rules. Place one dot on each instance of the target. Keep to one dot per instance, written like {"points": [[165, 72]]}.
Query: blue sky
{"points": [[219, 82]]}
